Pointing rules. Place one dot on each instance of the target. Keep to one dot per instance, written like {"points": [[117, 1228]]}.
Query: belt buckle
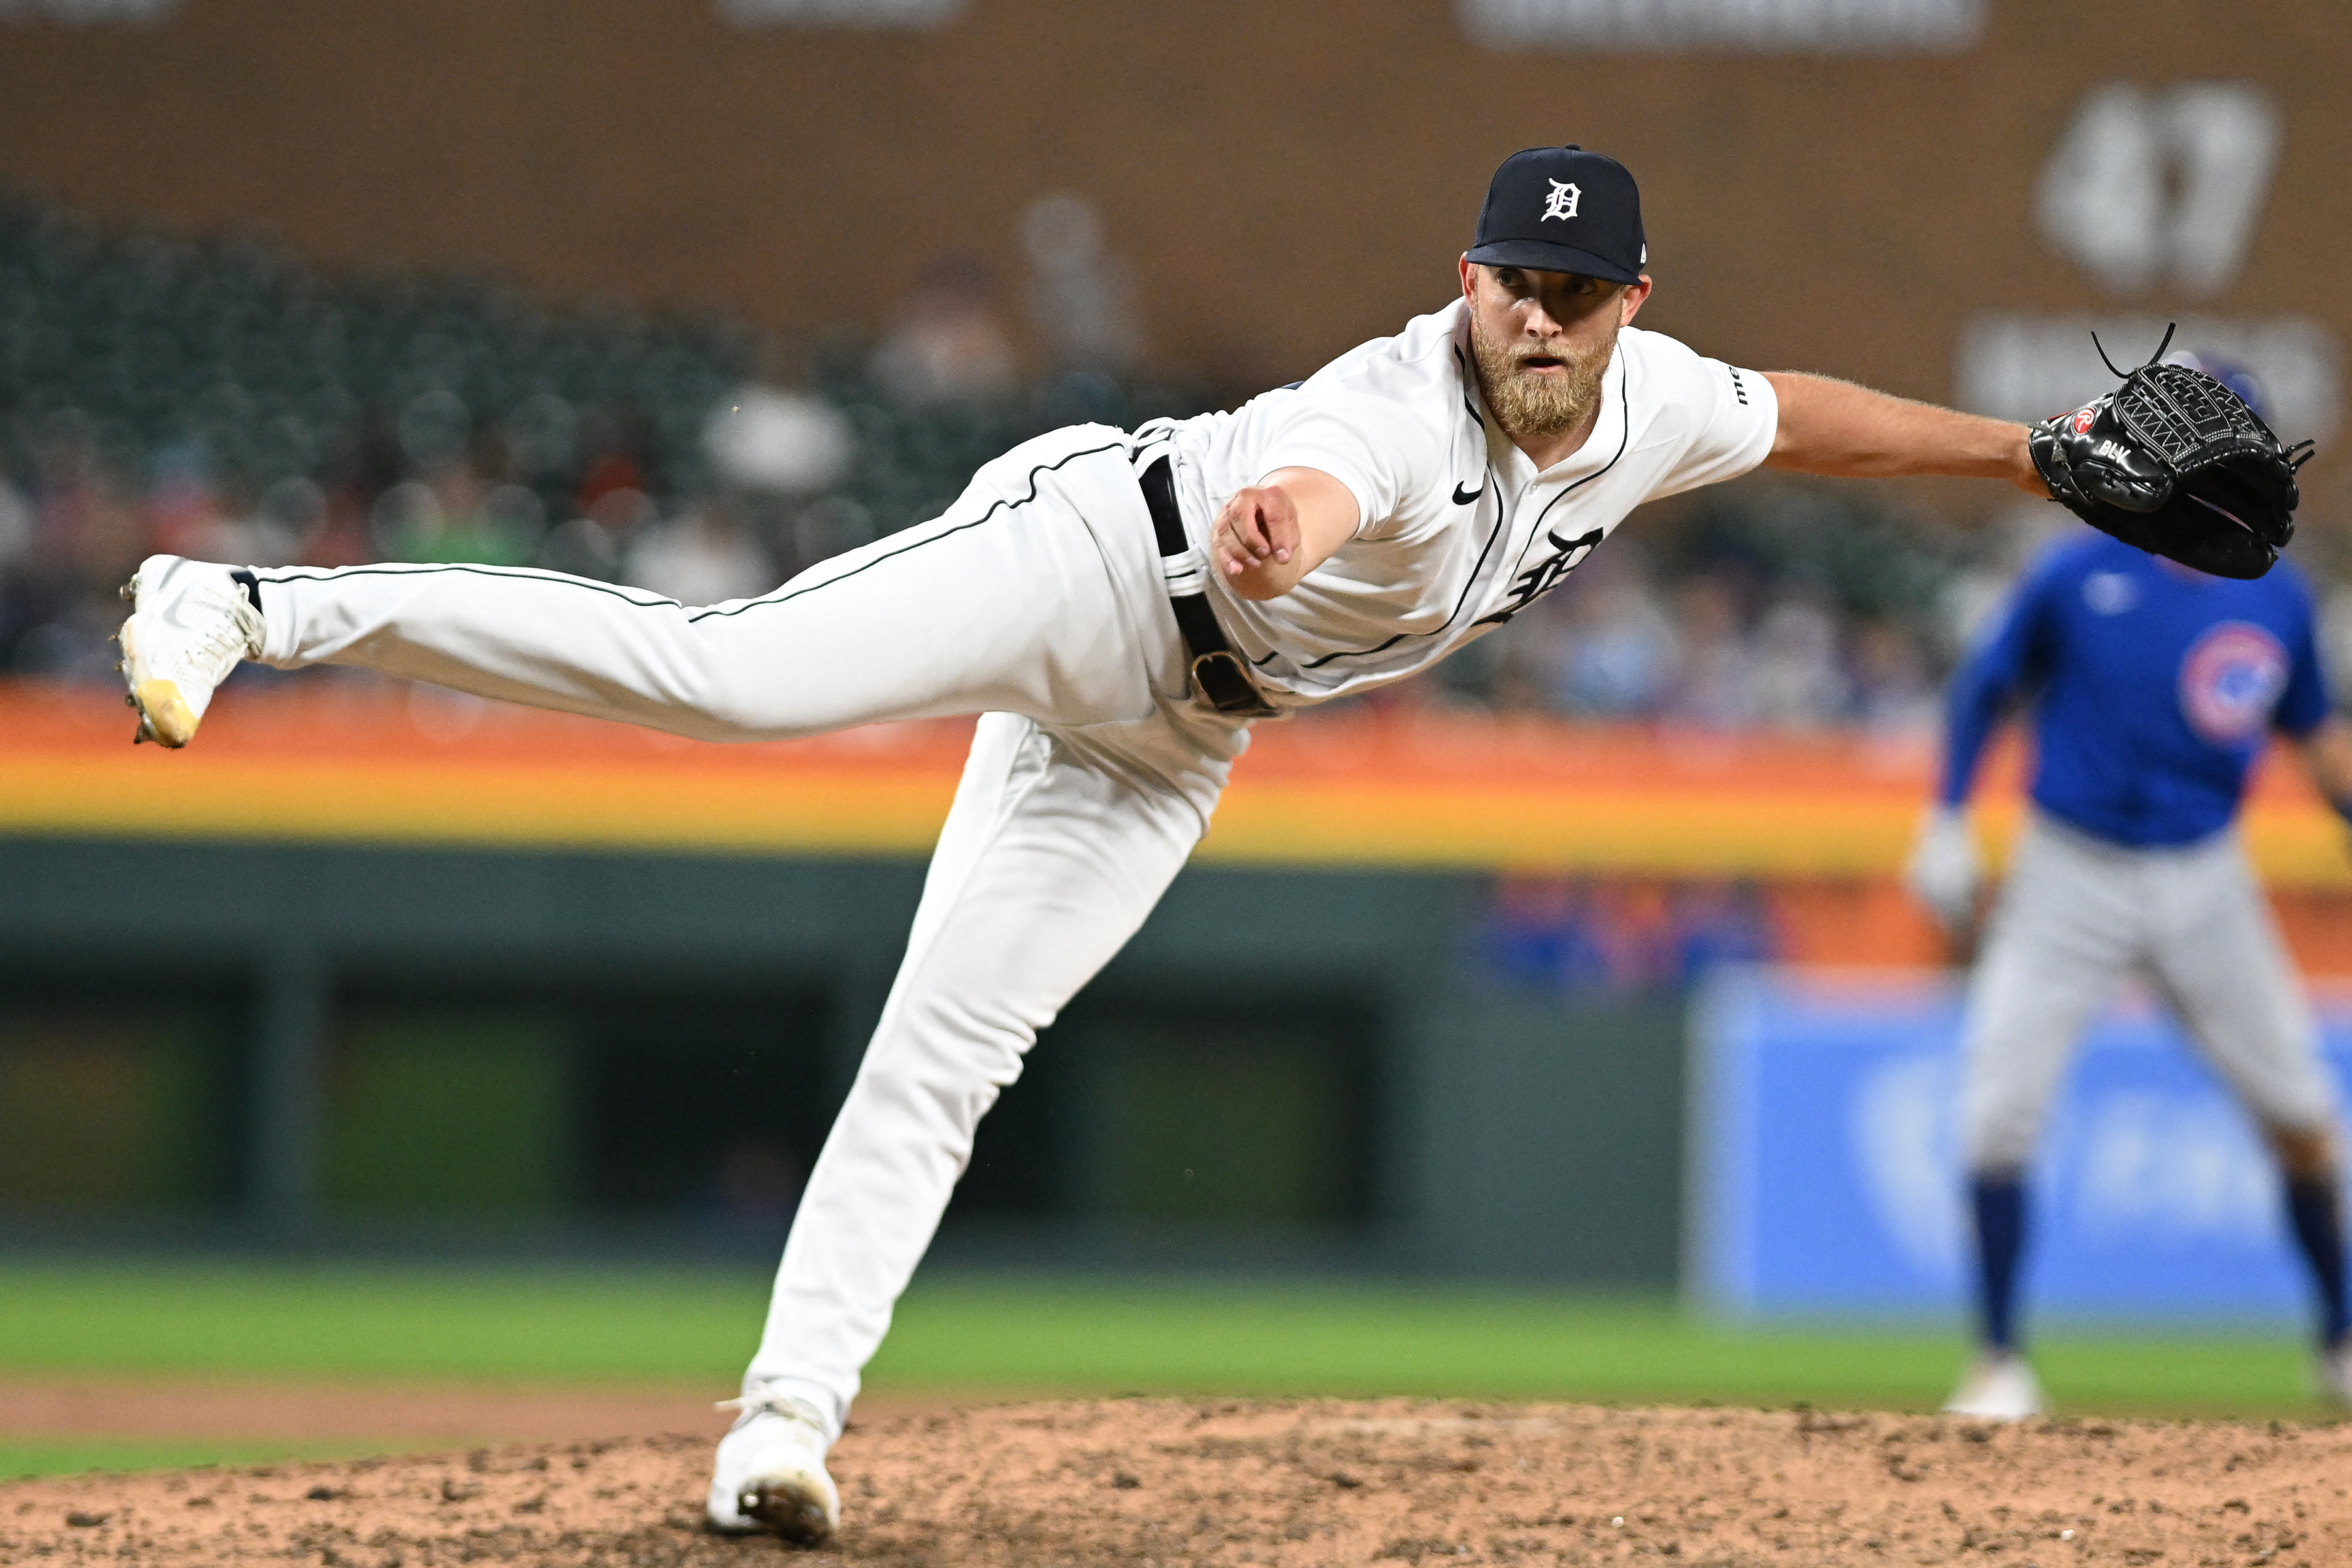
{"points": [[1246, 699]]}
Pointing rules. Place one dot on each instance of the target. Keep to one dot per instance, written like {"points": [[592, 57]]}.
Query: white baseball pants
{"points": [[1036, 601], [2075, 916]]}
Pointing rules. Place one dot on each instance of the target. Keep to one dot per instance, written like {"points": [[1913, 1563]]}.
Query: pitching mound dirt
{"points": [[1150, 1482], [362, 1418]]}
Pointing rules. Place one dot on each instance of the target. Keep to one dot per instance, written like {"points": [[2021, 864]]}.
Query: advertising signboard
{"points": [[1827, 1177]]}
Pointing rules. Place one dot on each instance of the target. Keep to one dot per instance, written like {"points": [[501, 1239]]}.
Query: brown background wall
{"points": [[1286, 179]]}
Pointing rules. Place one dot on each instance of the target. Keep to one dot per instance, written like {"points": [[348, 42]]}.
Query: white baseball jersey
{"points": [[1458, 530], [1039, 599]]}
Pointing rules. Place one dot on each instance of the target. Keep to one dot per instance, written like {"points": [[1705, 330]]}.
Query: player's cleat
{"points": [[2331, 1374], [190, 624], [770, 1473], [2000, 1386]]}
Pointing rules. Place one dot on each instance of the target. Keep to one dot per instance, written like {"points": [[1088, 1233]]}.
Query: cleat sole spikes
{"points": [[164, 713], [166, 716], [791, 1511]]}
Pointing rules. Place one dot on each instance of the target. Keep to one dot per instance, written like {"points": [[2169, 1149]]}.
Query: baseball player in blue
{"points": [[2152, 690]]}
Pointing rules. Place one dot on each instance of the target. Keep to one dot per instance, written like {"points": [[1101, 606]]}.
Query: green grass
{"points": [[69, 1456], [1494, 1344], [311, 1321], [1029, 1335]]}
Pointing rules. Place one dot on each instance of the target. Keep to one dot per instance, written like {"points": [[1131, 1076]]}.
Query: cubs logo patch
{"points": [[2231, 679]]}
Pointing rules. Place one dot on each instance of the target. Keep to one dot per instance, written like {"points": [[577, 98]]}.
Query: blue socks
{"points": [[2318, 1220], [1999, 1204], [2314, 1214]]}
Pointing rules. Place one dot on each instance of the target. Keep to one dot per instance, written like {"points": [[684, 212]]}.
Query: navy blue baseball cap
{"points": [[1563, 209]]}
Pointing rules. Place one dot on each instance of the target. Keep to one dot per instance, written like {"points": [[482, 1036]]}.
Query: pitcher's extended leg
{"points": [[1057, 846], [1048, 865], [1010, 601]]}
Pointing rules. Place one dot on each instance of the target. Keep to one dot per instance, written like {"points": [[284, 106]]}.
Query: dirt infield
{"points": [[312, 1415], [383, 1417], [1152, 1482]]}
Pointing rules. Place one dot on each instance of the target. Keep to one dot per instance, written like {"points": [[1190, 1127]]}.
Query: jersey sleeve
{"points": [[2305, 703], [1375, 445], [2016, 653], [1726, 417]]}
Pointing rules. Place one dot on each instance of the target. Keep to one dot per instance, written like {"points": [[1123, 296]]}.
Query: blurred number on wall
{"points": [[2155, 188], [1825, 25], [2161, 185]]}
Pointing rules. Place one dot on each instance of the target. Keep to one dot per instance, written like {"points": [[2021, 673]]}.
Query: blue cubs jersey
{"points": [[2153, 688]]}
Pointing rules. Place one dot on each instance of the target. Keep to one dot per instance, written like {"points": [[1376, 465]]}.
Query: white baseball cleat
{"points": [[2331, 1374], [770, 1473], [190, 624], [1999, 1387]]}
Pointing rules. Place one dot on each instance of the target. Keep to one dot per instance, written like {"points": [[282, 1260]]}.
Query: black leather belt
{"points": [[1221, 674]]}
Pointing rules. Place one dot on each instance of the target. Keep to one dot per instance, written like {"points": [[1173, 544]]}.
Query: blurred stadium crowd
{"points": [[225, 399], [1624, 936]]}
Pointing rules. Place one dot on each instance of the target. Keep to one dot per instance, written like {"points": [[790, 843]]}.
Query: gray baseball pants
{"points": [[2075, 916]]}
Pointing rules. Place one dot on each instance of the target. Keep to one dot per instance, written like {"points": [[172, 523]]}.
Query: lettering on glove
{"points": [[2175, 463]]}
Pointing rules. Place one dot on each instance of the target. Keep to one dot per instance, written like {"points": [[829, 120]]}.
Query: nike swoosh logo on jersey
{"points": [[1464, 498]]}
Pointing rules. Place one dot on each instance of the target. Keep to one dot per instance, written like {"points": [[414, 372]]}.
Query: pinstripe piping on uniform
{"points": [[1624, 437], [778, 596]]}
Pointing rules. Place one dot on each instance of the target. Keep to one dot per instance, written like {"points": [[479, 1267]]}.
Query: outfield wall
{"points": [[318, 1045], [370, 967]]}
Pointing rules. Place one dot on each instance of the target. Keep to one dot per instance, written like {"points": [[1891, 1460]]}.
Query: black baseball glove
{"points": [[2174, 462]]}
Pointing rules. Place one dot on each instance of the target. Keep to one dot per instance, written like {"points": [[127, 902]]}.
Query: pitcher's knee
{"points": [[783, 705], [953, 1077], [714, 709]]}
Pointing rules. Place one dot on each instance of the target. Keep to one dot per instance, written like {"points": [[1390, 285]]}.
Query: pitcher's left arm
{"points": [[1844, 431]]}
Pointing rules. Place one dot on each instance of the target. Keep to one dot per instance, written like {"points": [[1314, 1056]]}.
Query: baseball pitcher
{"points": [[1120, 608]]}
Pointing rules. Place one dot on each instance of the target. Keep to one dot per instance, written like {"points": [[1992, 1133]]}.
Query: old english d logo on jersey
{"points": [[1544, 575], [2231, 679]]}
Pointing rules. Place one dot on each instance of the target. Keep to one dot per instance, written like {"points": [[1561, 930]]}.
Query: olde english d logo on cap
{"points": [[1561, 209]]}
